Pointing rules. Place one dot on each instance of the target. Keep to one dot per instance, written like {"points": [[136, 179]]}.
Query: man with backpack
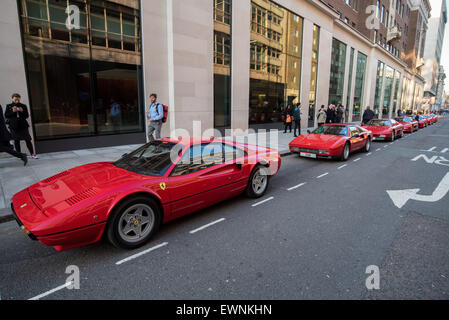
{"points": [[155, 116]]}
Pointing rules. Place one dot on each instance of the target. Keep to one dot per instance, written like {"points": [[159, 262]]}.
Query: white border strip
{"points": [[296, 187], [261, 202], [49, 292]]}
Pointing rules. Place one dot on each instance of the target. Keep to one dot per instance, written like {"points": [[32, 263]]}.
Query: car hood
{"points": [[316, 141], [78, 184]]}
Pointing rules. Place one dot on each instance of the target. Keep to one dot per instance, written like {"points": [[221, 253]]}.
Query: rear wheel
{"points": [[258, 182], [133, 222], [393, 136]]}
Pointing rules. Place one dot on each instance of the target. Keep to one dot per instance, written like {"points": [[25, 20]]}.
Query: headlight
{"points": [[325, 152]]}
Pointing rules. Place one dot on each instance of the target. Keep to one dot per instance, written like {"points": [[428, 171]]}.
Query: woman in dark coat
{"points": [[17, 114], [5, 137], [288, 118]]}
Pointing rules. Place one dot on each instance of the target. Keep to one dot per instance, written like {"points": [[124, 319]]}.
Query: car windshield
{"points": [[333, 130], [407, 120], [153, 159], [379, 123]]}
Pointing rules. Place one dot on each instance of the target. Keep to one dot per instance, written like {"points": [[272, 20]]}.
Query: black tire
{"points": [[257, 172], [367, 147], [115, 232], [345, 153], [393, 136]]}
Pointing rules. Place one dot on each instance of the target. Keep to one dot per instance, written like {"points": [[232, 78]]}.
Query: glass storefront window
{"points": [[359, 86], [388, 92], [337, 72], [378, 92], [275, 61], [396, 97], [314, 75], [222, 62], [77, 87], [351, 66]]}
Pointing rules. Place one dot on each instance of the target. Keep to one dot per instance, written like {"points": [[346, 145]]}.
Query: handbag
{"points": [[289, 119]]}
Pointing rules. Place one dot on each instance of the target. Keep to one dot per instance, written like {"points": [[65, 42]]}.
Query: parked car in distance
{"points": [[332, 141], [409, 124], [385, 129]]}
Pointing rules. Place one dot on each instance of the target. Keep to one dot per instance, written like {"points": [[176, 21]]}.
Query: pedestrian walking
{"points": [[368, 115], [330, 114], [155, 116], [321, 117], [339, 114], [5, 138], [288, 118], [16, 115], [297, 119]]}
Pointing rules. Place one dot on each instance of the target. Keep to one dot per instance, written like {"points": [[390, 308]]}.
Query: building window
{"points": [[359, 86], [355, 4], [378, 91], [388, 92], [351, 66], [80, 88], [314, 75], [337, 72], [222, 62], [396, 97], [275, 63]]}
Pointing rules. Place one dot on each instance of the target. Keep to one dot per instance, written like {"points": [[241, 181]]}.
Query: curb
{"points": [[5, 217]]}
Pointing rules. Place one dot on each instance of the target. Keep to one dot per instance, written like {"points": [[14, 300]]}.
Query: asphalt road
{"points": [[311, 237]]}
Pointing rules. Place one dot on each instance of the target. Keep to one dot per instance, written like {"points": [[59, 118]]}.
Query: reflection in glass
{"points": [[222, 62], [396, 97], [275, 61], [337, 72], [378, 92], [359, 86], [314, 75], [388, 91], [77, 87], [351, 66]]}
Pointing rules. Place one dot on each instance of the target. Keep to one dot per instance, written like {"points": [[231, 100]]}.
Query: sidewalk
{"points": [[14, 177]]}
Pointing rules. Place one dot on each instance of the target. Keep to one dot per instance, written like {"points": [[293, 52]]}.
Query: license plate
{"points": [[308, 155]]}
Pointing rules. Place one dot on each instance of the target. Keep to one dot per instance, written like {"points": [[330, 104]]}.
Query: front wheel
{"points": [[345, 153], [367, 145], [258, 182], [393, 136], [133, 222]]}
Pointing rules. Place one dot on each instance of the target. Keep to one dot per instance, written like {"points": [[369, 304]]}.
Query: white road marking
{"points": [[445, 150], [432, 149], [357, 159], [369, 154], [401, 197], [296, 187], [141, 253], [323, 175], [207, 225], [261, 202], [49, 292], [343, 166], [379, 149]]}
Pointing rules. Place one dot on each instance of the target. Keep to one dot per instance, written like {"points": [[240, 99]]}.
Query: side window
{"points": [[353, 131], [232, 153], [199, 157]]}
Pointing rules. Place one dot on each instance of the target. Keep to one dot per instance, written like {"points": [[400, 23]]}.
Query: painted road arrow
{"points": [[401, 197]]}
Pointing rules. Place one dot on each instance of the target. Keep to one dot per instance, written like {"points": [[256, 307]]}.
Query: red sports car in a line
{"points": [[409, 124], [128, 199], [332, 141], [385, 129], [422, 122]]}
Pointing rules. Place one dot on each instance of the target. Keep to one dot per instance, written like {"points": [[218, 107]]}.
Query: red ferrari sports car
{"points": [[128, 199], [422, 122], [409, 124], [332, 141], [385, 129]]}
